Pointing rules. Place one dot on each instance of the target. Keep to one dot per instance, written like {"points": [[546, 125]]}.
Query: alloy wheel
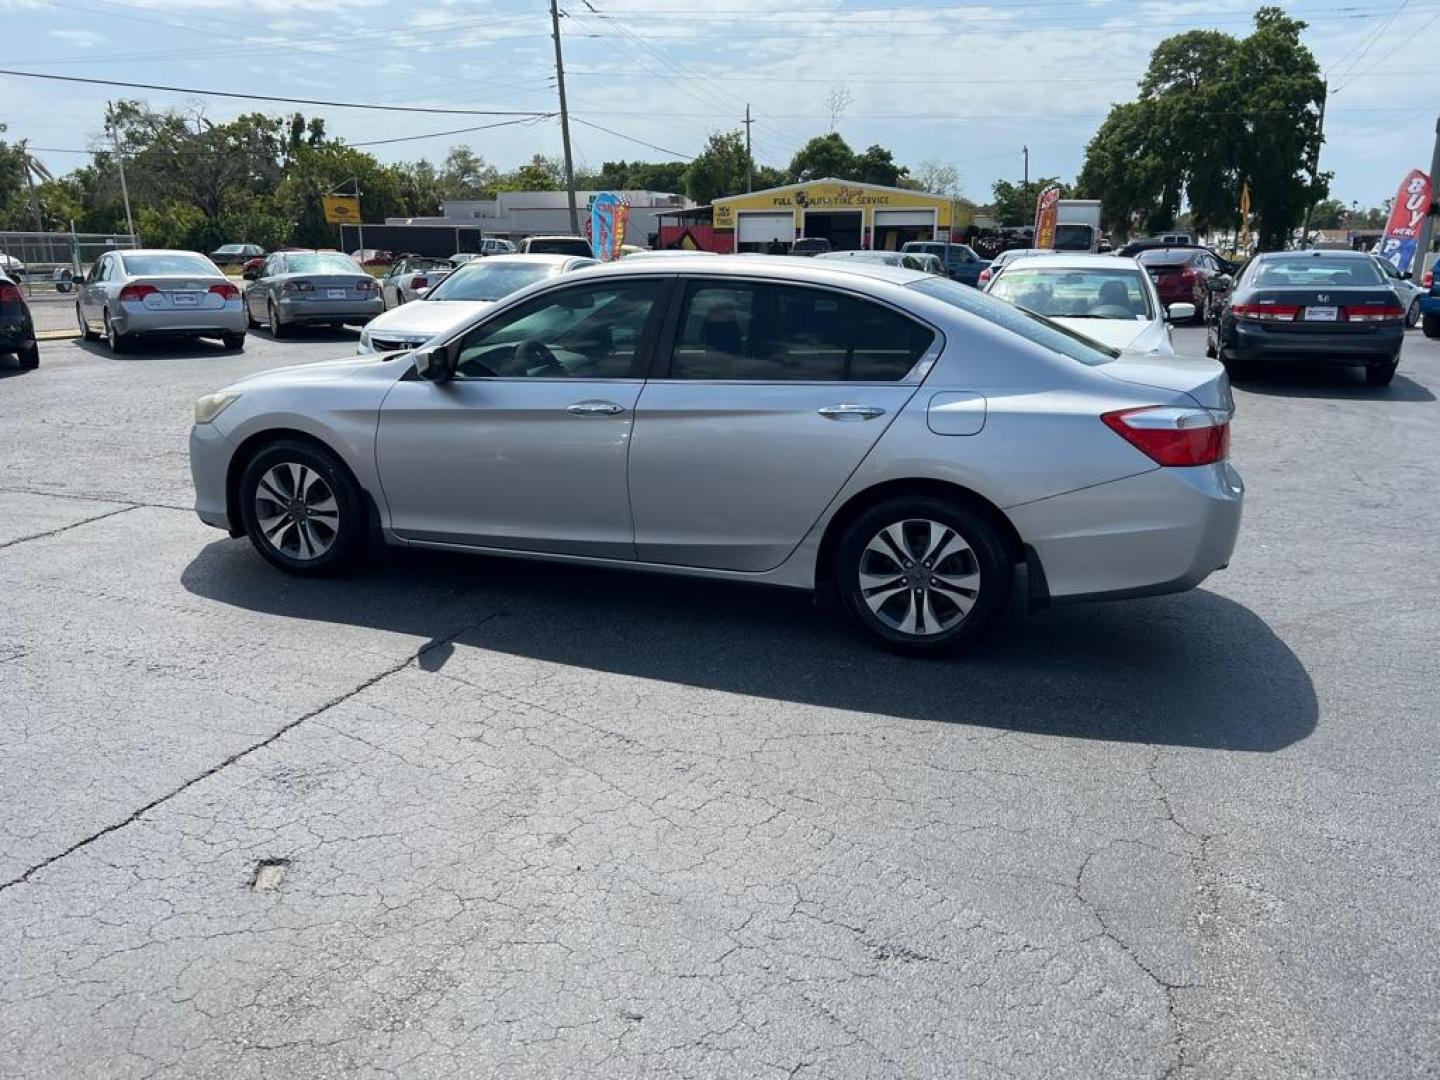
{"points": [[296, 511], [274, 320], [919, 577]]}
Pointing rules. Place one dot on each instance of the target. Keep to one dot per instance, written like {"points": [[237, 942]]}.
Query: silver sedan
{"points": [[310, 288], [410, 277], [895, 437], [129, 295]]}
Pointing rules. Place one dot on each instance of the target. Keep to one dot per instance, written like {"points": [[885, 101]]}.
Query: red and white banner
{"points": [[1047, 210], [1402, 231]]}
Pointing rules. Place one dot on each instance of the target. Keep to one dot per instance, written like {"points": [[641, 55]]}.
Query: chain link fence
{"points": [[46, 262]]}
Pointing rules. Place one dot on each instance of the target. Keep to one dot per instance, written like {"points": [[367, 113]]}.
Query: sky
{"points": [[960, 84]]}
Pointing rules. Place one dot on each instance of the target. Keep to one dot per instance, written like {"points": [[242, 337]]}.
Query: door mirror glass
{"points": [[1180, 312], [1219, 283], [247, 275], [433, 364]]}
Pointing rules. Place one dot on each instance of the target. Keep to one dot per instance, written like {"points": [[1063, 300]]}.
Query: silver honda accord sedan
{"points": [[901, 440]]}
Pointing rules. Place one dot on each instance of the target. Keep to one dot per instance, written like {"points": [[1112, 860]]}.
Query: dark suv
{"points": [[810, 245], [17, 329]]}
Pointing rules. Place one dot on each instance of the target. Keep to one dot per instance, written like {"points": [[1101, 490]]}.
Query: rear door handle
{"points": [[851, 411], [594, 408]]}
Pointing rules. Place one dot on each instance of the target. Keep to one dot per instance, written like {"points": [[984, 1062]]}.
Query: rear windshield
{"points": [[1075, 292], [1031, 327], [321, 263], [559, 246], [1316, 271], [1073, 237], [177, 262], [1161, 257], [488, 280]]}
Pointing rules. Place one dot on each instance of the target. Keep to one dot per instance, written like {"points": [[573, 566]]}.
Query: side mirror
{"points": [[434, 364], [1219, 283], [1180, 312], [1405, 275], [248, 275], [78, 279]]}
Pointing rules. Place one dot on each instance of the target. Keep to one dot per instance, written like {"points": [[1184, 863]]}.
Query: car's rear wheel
{"points": [[302, 510], [1412, 316], [86, 334], [29, 358], [277, 328], [1381, 374], [922, 575], [1431, 326], [116, 340], [233, 341]]}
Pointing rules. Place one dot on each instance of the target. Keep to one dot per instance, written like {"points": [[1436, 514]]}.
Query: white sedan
{"points": [[1106, 298], [410, 277]]}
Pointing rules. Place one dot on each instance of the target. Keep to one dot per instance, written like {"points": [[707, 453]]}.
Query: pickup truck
{"points": [[960, 260]]}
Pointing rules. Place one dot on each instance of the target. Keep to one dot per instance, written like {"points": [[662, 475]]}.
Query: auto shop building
{"points": [[850, 215]]}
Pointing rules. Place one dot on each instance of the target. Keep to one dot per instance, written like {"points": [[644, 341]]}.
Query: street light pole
{"points": [[1427, 227], [564, 119], [1026, 151]]}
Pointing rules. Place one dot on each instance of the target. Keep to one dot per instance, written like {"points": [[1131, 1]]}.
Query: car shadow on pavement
{"points": [[1322, 382], [1189, 670], [158, 349], [309, 333]]}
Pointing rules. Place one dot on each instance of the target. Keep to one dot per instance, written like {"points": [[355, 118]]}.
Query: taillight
{"points": [[365, 285], [420, 283], [1174, 436], [1189, 276], [137, 292], [225, 291], [1266, 312], [1429, 279], [1373, 313], [297, 286], [10, 294], [984, 275]]}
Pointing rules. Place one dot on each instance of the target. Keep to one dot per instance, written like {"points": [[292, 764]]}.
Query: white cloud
{"points": [[84, 39]]}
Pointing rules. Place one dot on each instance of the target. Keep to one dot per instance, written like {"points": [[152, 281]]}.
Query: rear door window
{"points": [[761, 332]]}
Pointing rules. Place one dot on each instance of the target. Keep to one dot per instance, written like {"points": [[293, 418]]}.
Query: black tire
{"points": [[117, 342], [1210, 349], [29, 358], [1430, 326], [234, 342], [982, 553], [277, 328], [347, 537], [250, 321], [1412, 314], [86, 334], [1381, 374]]}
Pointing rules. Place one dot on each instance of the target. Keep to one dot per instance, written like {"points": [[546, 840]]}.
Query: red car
{"points": [[1180, 274]]}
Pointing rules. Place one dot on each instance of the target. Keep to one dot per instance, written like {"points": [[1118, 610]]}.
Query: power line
{"points": [[454, 131], [631, 138], [270, 97]]}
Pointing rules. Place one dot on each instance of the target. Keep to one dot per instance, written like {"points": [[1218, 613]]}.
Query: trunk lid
{"points": [[1322, 311], [1202, 379], [180, 292]]}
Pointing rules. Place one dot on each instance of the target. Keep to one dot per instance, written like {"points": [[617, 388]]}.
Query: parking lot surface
{"points": [[471, 817]]}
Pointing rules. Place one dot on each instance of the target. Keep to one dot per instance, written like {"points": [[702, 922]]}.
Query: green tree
{"points": [[466, 175], [1213, 113], [720, 169], [935, 176], [1330, 214], [825, 156], [876, 166], [1014, 204]]}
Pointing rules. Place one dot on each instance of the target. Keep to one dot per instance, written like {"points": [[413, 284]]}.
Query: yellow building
{"points": [[847, 213]]}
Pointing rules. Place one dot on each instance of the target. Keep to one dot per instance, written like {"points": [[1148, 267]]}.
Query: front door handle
{"points": [[851, 411], [594, 408]]}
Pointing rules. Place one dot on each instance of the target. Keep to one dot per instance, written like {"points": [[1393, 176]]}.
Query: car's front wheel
{"points": [[86, 334], [302, 510], [922, 575], [1412, 315]]}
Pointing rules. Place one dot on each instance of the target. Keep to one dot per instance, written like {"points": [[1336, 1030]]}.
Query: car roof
{"points": [[157, 251], [538, 258], [1314, 253], [782, 267], [558, 236]]}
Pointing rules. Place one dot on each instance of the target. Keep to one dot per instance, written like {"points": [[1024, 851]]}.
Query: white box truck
{"points": [[1077, 225]]}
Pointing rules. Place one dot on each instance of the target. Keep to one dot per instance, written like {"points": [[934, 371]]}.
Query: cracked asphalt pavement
{"points": [[523, 820]]}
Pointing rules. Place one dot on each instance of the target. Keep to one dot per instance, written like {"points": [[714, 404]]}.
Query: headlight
{"points": [[210, 406], [364, 341]]}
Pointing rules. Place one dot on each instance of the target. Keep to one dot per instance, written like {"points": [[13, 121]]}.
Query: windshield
{"points": [[412, 265], [1059, 292], [1073, 237], [177, 262], [230, 249], [490, 280], [1158, 257], [559, 245], [1031, 327], [320, 263], [1316, 271]]}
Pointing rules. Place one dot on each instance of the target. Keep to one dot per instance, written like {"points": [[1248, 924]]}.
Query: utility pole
{"points": [[1026, 151], [749, 157], [30, 183], [564, 119], [1315, 168], [124, 188], [1427, 227]]}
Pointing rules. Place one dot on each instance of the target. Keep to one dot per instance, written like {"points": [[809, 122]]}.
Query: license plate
{"points": [[185, 299], [1321, 314], [335, 294]]}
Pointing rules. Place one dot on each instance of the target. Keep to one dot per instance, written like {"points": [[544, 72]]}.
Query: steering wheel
{"points": [[536, 354], [1112, 311]]}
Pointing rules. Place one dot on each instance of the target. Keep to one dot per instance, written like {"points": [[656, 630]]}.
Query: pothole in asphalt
{"points": [[268, 874]]}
